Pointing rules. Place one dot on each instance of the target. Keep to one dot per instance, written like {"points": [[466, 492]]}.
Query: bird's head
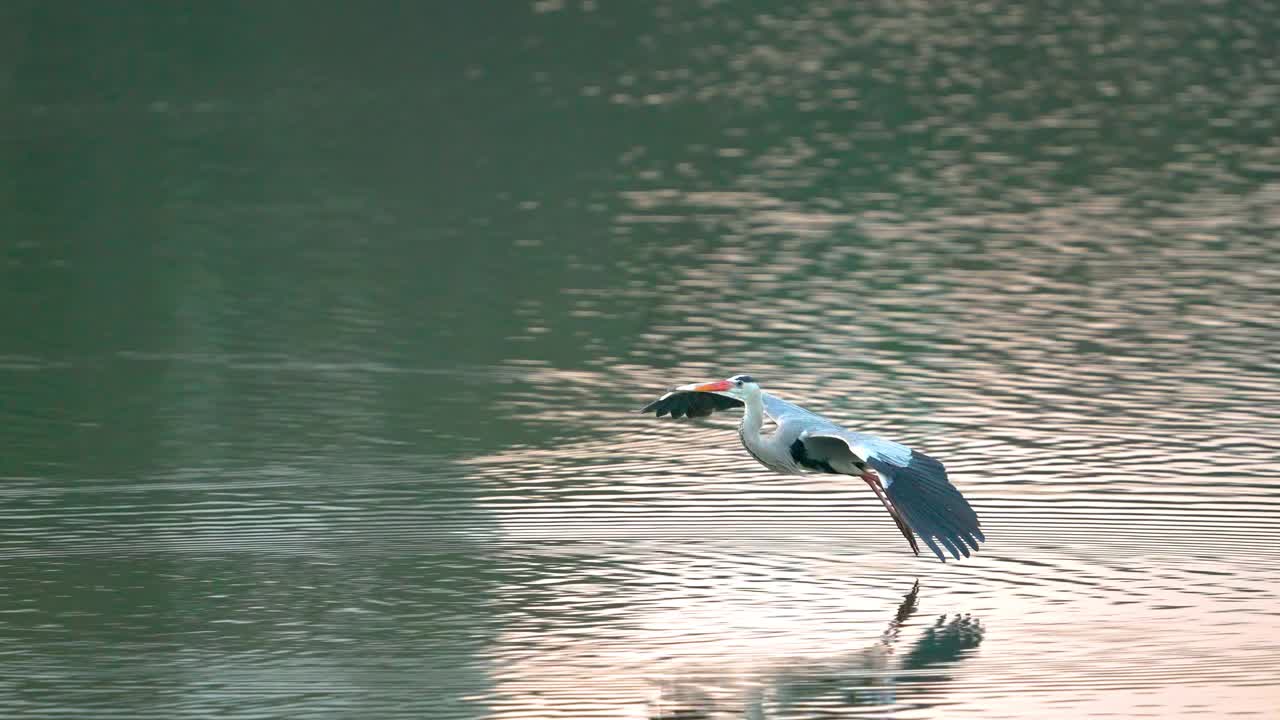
{"points": [[738, 386]]}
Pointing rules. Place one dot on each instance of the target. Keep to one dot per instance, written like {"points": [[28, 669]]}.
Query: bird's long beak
{"points": [[717, 386]]}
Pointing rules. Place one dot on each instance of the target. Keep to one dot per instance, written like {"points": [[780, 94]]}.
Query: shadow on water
{"points": [[881, 675]]}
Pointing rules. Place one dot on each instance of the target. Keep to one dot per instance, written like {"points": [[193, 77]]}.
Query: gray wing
{"points": [[916, 484], [685, 403], [780, 411]]}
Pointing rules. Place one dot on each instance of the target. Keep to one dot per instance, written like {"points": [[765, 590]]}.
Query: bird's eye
{"points": [[739, 383]]}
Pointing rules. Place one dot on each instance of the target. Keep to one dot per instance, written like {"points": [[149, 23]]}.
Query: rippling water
{"points": [[324, 339]]}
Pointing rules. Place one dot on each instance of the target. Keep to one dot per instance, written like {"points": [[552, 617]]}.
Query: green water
{"points": [[323, 327]]}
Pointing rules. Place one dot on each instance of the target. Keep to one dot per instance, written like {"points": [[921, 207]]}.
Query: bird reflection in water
{"points": [[879, 675]]}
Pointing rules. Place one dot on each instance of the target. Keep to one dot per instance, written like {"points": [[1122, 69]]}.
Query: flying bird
{"points": [[912, 486]]}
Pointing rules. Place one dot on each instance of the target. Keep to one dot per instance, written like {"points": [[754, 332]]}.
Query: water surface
{"points": [[324, 335]]}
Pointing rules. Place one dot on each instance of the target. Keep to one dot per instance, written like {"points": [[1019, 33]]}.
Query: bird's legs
{"points": [[874, 481]]}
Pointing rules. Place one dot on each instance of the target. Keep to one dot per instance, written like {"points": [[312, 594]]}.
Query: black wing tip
{"points": [[961, 544], [934, 508], [946, 536], [661, 406], [687, 403]]}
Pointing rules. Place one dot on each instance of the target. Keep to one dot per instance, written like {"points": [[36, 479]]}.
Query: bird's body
{"points": [[912, 486]]}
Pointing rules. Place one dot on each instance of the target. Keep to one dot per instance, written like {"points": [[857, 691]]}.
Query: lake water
{"points": [[325, 328]]}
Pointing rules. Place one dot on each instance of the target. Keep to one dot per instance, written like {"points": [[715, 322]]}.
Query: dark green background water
{"points": [[323, 325]]}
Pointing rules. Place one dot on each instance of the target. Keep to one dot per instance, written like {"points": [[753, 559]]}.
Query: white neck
{"points": [[753, 418]]}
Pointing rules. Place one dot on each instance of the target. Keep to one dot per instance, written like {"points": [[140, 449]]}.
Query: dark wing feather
{"points": [[685, 403], [916, 485], [933, 507]]}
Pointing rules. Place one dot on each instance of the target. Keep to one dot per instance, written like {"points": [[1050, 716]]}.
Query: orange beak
{"points": [[717, 386]]}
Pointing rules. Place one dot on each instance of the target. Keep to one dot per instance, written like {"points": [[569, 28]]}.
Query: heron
{"points": [[912, 486]]}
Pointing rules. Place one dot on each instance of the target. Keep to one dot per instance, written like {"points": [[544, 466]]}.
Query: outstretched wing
{"points": [[782, 412], [915, 484], [687, 403]]}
